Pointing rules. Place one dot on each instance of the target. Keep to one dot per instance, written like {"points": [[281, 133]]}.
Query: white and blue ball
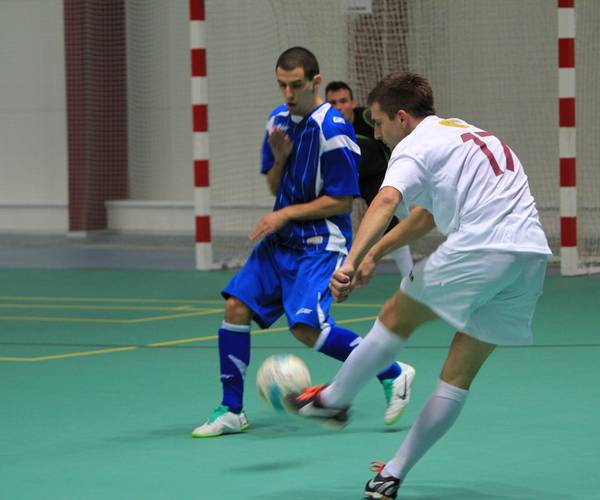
{"points": [[279, 376]]}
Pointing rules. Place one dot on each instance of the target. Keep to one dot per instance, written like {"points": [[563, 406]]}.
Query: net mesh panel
{"points": [[244, 41], [491, 63], [159, 105], [587, 76], [97, 121], [494, 65]]}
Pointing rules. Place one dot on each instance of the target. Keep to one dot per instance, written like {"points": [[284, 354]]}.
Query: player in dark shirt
{"points": [[374, 158]]}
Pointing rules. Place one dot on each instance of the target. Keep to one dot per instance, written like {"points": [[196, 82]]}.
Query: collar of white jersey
{"points": [[427, 120]]}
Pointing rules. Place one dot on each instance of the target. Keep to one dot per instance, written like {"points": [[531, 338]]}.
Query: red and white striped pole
{"points": [[569, 259], [200, 135]]}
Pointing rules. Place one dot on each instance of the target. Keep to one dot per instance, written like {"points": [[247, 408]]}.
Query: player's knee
{"points": [[403, 315], [398, 323], [305, 334], [237, 312]]}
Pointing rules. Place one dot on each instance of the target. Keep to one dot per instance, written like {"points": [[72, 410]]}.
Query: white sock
{"points": [[375, 353], [438, 415], [403, 259]]}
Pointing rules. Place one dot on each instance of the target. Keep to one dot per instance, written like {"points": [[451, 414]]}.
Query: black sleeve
{"points": [[374, 153]]}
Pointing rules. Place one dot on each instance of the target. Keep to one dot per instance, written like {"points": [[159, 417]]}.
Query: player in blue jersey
{"points": [[309, 157], [374, 159]]}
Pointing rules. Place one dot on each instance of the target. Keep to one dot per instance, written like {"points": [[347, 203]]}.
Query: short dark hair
{"points": [[299, 57], [403, 90], [338, 85]]}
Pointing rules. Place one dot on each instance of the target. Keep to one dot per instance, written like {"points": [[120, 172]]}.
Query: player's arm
{"points": [[320, 208], [274, 177], [418, 223], [374, 223], [281, 147], [372, 227]]}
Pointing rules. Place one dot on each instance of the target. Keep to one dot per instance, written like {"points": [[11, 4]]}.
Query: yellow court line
{"points": [[108, 299], [64, 319], [142, 300], [160, 344], [76, 354], [203, 312], [213, 337], [100, 308], [278, 329], [358, 305]]}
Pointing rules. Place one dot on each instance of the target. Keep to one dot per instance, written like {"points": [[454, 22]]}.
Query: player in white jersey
{"points": [[484, 280]]}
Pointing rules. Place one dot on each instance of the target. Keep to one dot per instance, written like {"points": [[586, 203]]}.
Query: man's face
{"points": [[341, 100], [390, 131], [298, 92]]}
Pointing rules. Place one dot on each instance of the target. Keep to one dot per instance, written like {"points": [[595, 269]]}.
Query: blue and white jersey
{"points": [[324, 161]]}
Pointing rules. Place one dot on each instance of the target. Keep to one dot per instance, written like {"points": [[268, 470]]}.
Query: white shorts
{"points": [[488, 295]]}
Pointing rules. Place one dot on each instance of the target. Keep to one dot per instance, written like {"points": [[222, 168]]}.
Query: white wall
{"points": [[33, 138], [159, 101]]}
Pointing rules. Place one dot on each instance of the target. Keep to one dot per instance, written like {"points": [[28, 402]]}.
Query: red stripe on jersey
{"points": [[565, 4], [566, 52], [201, 173], [566, 112], [568, 231], [203, 229], [197, 10], [567, 172], [198, 62], [200, 112]]}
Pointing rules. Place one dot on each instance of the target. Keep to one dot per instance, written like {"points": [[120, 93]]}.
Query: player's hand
{"points": [[365, 272], [268, 224], [281, 145], [342, 282]]}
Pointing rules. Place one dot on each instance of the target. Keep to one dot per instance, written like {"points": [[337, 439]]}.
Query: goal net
{"points": [[491, 63]]}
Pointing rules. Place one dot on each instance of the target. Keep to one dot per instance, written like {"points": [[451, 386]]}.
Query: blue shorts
{"points": [[278, 279]]}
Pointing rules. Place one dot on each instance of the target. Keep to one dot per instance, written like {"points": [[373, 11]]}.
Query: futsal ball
{"points": [[279, 376]]}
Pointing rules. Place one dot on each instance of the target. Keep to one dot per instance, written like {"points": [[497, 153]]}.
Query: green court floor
{"points": [[104, 374]]}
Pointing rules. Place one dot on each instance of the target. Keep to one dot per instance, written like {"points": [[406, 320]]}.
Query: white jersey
{"points": [[472, 184]]}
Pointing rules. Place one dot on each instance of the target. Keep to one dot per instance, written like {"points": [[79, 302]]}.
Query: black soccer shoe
{"points": [[380, 487], [308, 404]]}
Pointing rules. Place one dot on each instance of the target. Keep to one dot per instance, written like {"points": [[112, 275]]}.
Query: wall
{"points": [[33, 162]]}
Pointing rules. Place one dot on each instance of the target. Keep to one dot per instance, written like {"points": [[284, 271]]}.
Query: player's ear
{"points": [[316, 80]]}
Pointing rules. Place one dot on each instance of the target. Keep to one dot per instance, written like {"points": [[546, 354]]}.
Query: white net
{"points": [[494, 65], [587, 73], [244, 41], [491, 63]]}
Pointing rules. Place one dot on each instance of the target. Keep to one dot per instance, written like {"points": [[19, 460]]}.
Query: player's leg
{"points": [[466, 356], [308, 305], [234, 352], [244, 303], [234, 357], [503, 315], [337, 342], [399, 317]]}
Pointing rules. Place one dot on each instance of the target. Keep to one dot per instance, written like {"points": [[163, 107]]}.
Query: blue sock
{"points": [[234, 355], [338, 343]]}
